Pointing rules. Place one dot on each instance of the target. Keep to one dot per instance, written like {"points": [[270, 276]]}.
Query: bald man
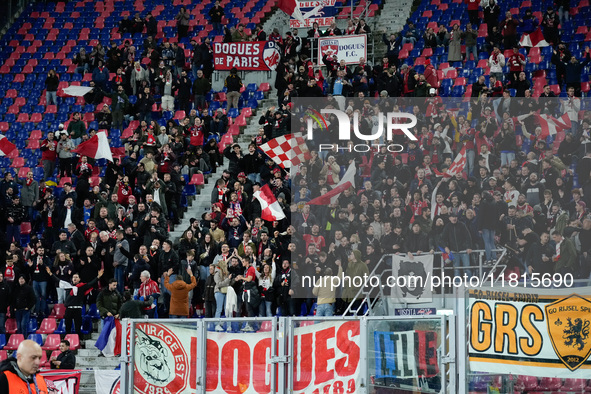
{"points": [[20, 375]]}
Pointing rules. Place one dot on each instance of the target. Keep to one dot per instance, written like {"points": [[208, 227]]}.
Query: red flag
{"points": [[551, 125], [535, 39], [271, 210], [345, 183], [6, 146], [456, 167], [97, 147], [291, 8], [287, 150]]}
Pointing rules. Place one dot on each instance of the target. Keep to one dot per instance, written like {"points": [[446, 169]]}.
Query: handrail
{"points": [[370, 303]]}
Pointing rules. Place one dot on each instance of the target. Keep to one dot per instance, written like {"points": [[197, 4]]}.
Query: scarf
{"points": [[495, 56], [151, 139], [29, 181]]}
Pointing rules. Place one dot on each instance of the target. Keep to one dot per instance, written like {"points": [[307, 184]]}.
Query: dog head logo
{"points": [[569, 328], [153, 360]]}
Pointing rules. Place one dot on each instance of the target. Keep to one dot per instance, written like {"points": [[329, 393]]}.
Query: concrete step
{"points": [[97, 362], [88, 352]]}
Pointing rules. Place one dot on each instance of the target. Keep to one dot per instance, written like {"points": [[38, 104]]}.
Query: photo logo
{"points": [[569, 328], [386, 125]]}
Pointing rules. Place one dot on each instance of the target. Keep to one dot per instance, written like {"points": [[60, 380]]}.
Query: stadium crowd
{"points": [[111, 239]]}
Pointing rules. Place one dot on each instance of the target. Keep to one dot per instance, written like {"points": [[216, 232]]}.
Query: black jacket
{"points": [[456, 237], [78, 299], [68, 360], [23, 297]]}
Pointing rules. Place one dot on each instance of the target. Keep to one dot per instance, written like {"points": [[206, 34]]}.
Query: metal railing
{"points": [[370, 297]]}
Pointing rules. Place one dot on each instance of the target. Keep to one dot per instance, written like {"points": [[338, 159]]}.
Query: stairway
{"points": [[202, 201], [87, 360], [391, 19]]}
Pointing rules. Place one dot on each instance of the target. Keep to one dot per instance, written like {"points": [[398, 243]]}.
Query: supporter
{"points": [[82, 62], [66, 359], [179, 293], [19, 373], [5, 297], [148, 290], [109, 301], [550, 23], [496, 63], [216, 13], [508, 28], [233, 83], [362, 28], [182, 19], [491, 11]]}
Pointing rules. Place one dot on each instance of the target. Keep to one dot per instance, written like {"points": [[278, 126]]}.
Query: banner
{"points": [[77, 91], [315, 12], [412, 279], [545, 333], [246, 56], [405, 354], [326, 356], [65, 381], [107, 381], [347, 48]]}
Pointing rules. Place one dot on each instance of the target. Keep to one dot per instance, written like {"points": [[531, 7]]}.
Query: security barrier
{"points": [[289, 355]]}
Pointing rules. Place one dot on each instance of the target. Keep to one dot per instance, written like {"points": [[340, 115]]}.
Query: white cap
{"points": [[432, 91], [61, 126]]}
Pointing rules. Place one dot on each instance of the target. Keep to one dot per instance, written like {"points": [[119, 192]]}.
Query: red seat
{"points": [[482, 63], [197, 180], [64, 180], [36, 117], [555, 89], [247, 112], [11, 93], [264, 87], [550, 384], [44, 362], [427, 52], [48, 326], [52, 342], [58, 311], [74, 341], [179, 115], [3, 355], [19, 78], [51, 109], [220, 96], [88, 117], [11, 327], [33, 144], [94, 181], [4, 127], [18, 162], [452, 73], [23, 118], [36, 135], [266, 326], [14, 341], [461, 81], [240, 121], [22, 172], [403, 54]]}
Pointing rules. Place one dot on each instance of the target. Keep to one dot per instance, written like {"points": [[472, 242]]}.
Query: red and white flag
{"points": [[270, 208], [287, 151], [97, 147], [551, 125], [456, 167], [345, 183], [6, 146], [291, 8], [535, 39]]}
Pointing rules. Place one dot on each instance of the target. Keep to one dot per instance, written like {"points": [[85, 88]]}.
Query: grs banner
{"points": [[65, 381], [543, 333], [246, 56], [406, 354], [347, 48], [410, 279], [325, 355], [315, 12]]}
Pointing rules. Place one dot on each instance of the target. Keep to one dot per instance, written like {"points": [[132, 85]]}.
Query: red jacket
{"points": [[472, 4], [49, 150]]}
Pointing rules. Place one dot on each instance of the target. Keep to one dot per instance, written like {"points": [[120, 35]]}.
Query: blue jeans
{"points": [[506, 158], [13, 231], [76, 141], [265, 309], [473, 50], [22, 321], [489, 243], [2, 323], [40, 289], [470, 156], [324, 309], [220, 304], [462, 260], [51, 98], [120, 276]]}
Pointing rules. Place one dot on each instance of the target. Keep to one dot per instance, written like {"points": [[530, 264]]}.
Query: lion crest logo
{"points": [[569, 327]]}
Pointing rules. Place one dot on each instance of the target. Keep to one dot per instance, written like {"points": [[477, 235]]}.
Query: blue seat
{"points": [[93, 312], [32, 327], [2, 341], [36, 338]]}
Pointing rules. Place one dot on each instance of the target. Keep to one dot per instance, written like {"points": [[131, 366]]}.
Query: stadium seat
{"points": [[74, 341], [197, 180], [549, 384], [574, 385], [10, 326], [22, 172], [32, 327], [64, 180], [48, 325], [36, 338], [264, 87], [58, 311], [92, 311], [14, 341], [3, 355], [2, 341]]}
